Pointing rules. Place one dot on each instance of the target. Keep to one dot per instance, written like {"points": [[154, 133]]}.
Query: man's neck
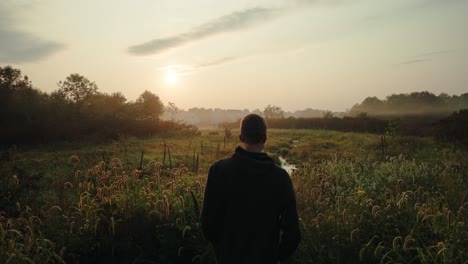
{"points": [[258, 148]]}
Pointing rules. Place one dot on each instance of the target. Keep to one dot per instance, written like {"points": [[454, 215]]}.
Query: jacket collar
{"points": [[242, 153]]}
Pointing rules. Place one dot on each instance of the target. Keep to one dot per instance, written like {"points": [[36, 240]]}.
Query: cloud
{"points": [[17, 46], [425, 57], [217, 62], [20, 47], [235, 21], [232, 22], [413, 61]]}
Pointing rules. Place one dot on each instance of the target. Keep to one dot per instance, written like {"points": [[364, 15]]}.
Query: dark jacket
{"points": [[249, 210]]}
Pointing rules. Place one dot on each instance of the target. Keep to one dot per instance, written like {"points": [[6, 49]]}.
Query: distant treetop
{"points": [[416, 103]]}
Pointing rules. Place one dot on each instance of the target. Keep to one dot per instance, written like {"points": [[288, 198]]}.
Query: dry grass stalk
{"points": [[67, 185], [73, 158], [15, 179], [354, 234]]}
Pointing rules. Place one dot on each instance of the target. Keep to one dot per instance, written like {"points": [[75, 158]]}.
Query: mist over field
{"points": [[78, 110]]}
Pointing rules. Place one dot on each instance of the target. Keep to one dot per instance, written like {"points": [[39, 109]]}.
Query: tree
{"points": [[12, 84], [77, 88], [362, 115], [373, 105], [273, 112], [464, 101], [105, 106], [453, 128], [328, 115], [11, 79], [426, 102], [172, 109], [148, 106]]}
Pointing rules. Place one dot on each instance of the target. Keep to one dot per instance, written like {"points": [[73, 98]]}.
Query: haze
{"points": [[242, 54]]}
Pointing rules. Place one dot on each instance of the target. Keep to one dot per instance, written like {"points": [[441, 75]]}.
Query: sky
{"points": [[295, 54]]}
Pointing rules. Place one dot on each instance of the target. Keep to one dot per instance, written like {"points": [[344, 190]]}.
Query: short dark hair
{"points": [[253, 129]]}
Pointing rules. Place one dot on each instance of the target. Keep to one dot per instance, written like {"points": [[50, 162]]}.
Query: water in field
{"points": [[285, 165]]}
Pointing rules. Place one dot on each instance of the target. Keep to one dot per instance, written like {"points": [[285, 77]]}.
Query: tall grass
{"points": [[355, 205], [391, 211], [106, 213]]}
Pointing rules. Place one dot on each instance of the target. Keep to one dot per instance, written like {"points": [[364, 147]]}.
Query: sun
{"points": [[171, 77]]}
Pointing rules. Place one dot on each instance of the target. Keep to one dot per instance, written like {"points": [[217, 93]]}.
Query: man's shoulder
{"points": [[280, 172], [222, 163]]}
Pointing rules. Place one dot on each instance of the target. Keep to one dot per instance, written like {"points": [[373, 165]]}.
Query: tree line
{"points": [[440, 125], [77, 110], [413, 104]]}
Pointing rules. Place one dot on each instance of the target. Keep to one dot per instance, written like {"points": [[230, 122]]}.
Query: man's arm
{"points": [[291, 236], [212, 207]]}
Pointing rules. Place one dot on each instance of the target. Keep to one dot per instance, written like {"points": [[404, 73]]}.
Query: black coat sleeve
{"points": [[289, 224], [212, 211]]}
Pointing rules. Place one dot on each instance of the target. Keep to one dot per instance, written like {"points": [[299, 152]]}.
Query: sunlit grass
{"points": [[88, 203]]}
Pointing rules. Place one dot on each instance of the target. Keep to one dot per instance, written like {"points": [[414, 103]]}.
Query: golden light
{"points": [[171, 77]]}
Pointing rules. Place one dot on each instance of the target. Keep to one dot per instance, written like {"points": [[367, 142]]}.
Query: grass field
{"points": [[360, 199]]}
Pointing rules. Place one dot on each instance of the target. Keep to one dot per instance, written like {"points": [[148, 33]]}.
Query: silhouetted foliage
{"points": [[12, 83], [453, 128], [76, 111], [148, 106], [77, 88], [417, 103], [172, 109], [328, 114], [272, 112]]}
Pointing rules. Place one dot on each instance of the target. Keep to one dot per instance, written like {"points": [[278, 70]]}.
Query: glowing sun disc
{"points": [[171, 77]]}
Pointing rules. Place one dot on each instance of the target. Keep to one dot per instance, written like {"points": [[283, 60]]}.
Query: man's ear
{"points": [[241, 138], [264, 139]]}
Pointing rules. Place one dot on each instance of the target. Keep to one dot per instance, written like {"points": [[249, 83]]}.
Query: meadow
{"points": [[362, 198]]}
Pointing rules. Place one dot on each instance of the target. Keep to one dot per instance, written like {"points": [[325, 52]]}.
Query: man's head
{"points": [[253, 130]]}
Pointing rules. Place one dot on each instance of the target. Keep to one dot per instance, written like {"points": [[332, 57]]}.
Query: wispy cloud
{"points": [[20, 47], [217, 62], [413, 61], [232, 22], [425, 57], [17, 46]]}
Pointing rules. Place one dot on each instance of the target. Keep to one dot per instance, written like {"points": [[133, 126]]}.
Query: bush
{"points": [[454, 128]]}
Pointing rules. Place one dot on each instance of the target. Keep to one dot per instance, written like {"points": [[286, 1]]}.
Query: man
{"points": [[249, 211]]}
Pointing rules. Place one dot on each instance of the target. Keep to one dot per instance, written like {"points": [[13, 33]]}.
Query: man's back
{"points": [[248, 201]]}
